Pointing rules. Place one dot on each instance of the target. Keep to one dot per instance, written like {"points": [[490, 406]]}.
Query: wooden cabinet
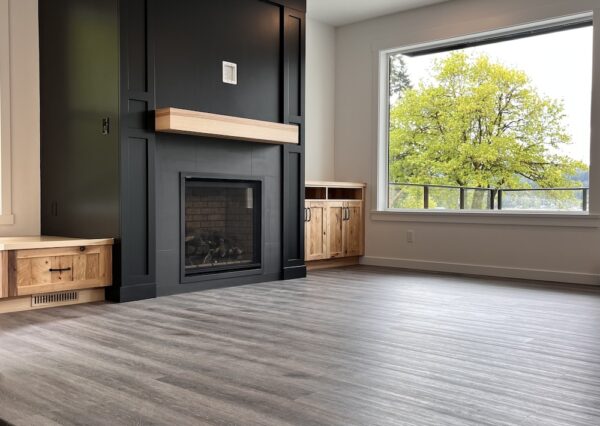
{"points": [[336, 213], [315, 222], [334, 223], [354, 229], [38, 272]]}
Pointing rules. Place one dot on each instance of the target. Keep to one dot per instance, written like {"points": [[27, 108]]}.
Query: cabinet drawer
{"points": [[57, 269]]}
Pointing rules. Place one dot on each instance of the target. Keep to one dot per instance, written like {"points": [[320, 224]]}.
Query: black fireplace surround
{"points": [[105, 172], [212, 168]]}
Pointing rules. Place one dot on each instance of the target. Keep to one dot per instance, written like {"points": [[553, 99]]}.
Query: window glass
{"points": [[497, 125]]}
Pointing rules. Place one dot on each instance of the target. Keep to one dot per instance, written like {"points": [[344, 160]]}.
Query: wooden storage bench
{"points": [[40, 272]]}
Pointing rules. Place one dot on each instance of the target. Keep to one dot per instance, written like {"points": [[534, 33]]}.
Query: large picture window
{"points": [[499, 122]]}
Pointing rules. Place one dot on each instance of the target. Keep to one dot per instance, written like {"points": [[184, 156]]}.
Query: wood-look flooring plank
{"points": [[350, 346]]}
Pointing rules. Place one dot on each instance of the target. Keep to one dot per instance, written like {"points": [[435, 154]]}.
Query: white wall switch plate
{"points": [[229, 72]]}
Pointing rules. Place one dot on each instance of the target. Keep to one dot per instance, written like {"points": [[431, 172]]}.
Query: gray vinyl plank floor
{"points": [[351, 346]]}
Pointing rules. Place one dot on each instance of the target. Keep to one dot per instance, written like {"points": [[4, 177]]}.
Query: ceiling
{"points": [[342, 12]]}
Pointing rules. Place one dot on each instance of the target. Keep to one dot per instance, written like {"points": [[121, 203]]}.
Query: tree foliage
{"points": [[398, 76], [480, 124]]}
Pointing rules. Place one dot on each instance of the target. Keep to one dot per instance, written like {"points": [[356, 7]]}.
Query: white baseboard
{"points": [[485, 270]]}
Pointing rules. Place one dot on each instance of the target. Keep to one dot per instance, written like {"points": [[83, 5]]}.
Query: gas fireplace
{"points": [[221, 226]]}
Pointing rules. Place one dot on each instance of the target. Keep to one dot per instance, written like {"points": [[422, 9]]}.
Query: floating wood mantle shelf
{"points": [[173, 120]]}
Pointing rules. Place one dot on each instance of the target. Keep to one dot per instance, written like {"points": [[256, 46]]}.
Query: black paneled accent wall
{"points": [[106, 65]]}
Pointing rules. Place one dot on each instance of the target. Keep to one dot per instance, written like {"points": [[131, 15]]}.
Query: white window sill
{"points": [[7, 219], [551, 219]]}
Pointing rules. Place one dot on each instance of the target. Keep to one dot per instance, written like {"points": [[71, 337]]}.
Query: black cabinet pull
{"points": [[105, 126], [59, 269], [309, 214]]}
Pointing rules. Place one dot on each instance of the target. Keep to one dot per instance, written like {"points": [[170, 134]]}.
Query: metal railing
{"points": [[495, 199]]}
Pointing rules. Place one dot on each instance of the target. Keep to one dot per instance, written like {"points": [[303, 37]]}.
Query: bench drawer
{"points": [[69, 268]]}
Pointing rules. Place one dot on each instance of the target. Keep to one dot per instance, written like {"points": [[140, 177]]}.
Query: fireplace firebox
{"points": [[221, 227]]}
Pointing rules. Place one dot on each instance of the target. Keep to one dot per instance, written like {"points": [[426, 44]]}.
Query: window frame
{"points": [[515, 217], [6, 216]]}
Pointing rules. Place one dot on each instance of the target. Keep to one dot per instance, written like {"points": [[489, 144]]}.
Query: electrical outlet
{"points": [[410, 236]]}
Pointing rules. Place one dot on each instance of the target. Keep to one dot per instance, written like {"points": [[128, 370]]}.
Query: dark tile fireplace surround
{"points": [[202, 198]]}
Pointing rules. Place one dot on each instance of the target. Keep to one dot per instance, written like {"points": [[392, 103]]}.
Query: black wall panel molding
{"points": [[105, 172], [293, 57], [138, 223]]}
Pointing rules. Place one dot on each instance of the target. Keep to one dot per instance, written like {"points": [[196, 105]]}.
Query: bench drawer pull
{"points": [[59, 269]]}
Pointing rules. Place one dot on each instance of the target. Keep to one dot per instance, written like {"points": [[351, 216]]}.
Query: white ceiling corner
{"points": [[343, 12]]}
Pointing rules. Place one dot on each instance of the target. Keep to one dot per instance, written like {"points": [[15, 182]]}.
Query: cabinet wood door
{"points": [[315, 246], [354, 229], [336, 240], [59, 269]]}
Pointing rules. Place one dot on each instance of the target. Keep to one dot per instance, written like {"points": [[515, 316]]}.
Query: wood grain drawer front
{"points": [[71, 268]]}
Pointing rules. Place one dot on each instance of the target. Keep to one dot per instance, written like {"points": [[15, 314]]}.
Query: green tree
{"points": [[481, 124], [399, 80]]}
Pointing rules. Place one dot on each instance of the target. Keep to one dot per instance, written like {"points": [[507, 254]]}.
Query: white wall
{"points": [[25, 119], [320, 98], [542, 252]]}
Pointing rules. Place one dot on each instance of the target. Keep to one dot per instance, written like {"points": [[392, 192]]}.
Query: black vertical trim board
{"points": [[294, 30], [136, 269]]}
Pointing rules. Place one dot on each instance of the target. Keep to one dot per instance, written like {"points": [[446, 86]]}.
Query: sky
{"points": [[560, 66]]}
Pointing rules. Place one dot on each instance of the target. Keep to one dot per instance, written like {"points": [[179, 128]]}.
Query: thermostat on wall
{"points": [[229, 72]]}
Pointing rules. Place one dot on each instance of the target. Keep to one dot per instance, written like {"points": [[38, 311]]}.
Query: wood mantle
{"points": [[173, 120]]}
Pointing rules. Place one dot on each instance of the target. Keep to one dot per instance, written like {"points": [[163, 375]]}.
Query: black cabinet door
{"points": [[79, 88]]}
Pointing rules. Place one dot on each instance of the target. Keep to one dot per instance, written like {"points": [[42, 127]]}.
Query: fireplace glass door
{"points": [[222, 225]]}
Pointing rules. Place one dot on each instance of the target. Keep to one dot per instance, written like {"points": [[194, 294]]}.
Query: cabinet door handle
{"points": [[309, 214], [347, 213], [59, 269], [105, 126]]}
